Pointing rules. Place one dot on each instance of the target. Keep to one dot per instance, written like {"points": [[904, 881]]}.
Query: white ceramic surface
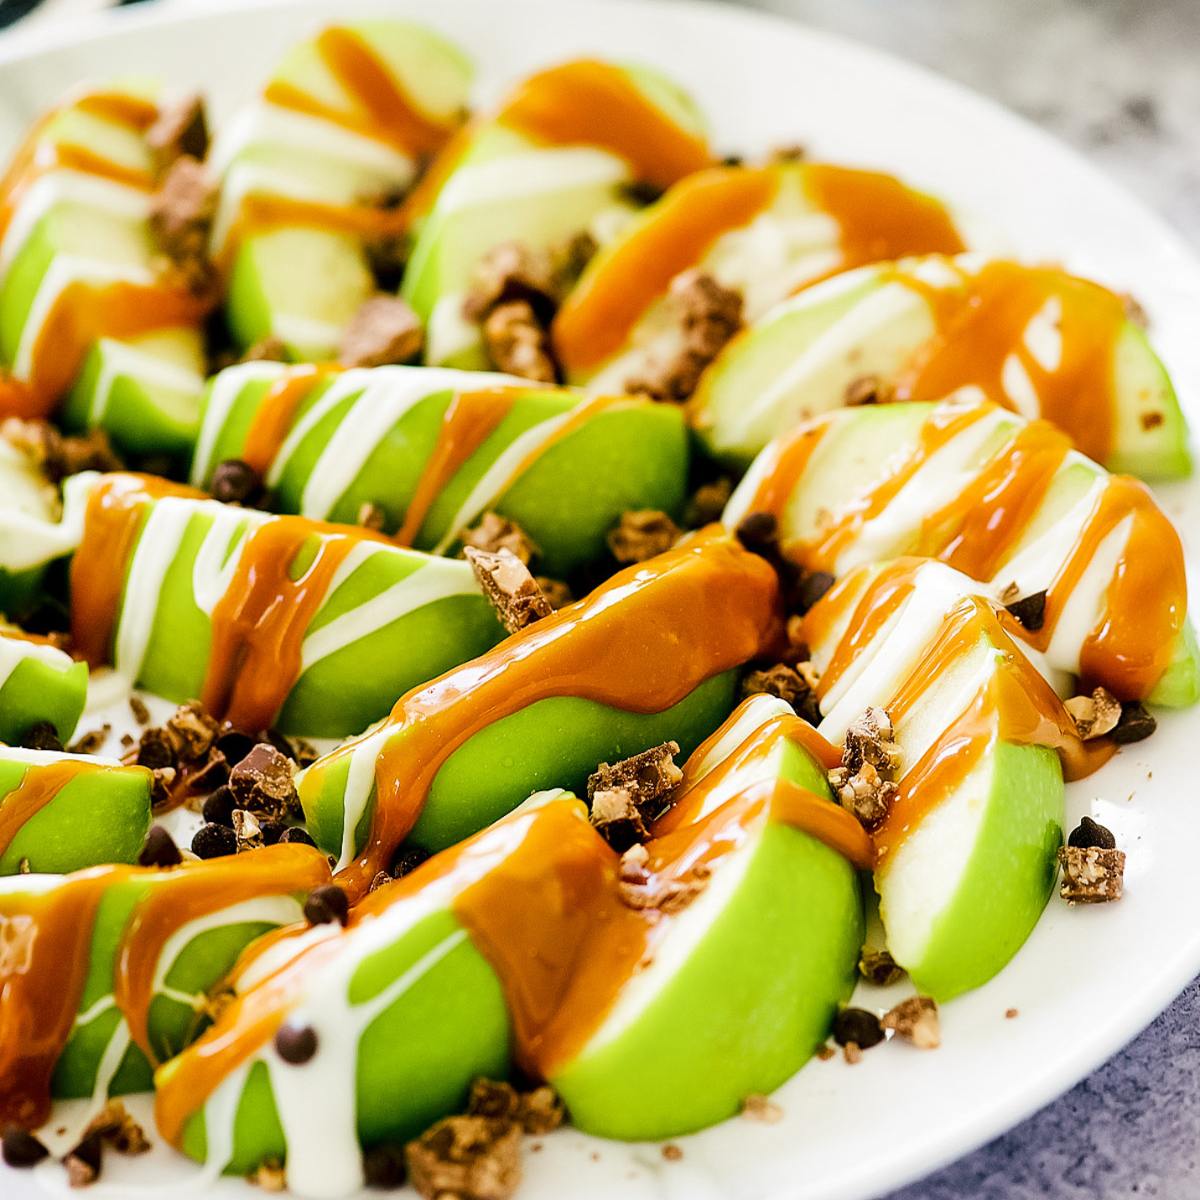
{"points": [[1088, 980]]}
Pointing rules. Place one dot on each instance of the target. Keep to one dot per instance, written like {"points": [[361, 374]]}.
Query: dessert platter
{"points": [[556, 641]]}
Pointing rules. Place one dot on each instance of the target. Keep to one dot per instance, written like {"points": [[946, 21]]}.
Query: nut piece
{"points": [[641, 534], [468, 1158], [247, 830], [1091, 874], [181, 129], [181, 216], [511, 272], [539, 1111], [794, 685], [385, 330], [650, 777], [879, 967], [263, 783], [870, 739], [916, 1021], [509, 587], [1094, 715], [496, 533], [518, 344], [617, 818], [191, 731]]}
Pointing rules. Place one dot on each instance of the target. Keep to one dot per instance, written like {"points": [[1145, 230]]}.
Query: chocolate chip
{"points": [[296, 836], [326, 904], [1091, 833], [41, 736], [21, 1149], [641, 191], [1030, 610], [155, 750], [218, 808], [859, 1026], [296, 1044], [272, 832], [1135, 724], [383, 1167], [213, 841], [84, 1162], [408, 860], [808, 589], [235, 745], [759, 533], [235, 482], [160, 849]]}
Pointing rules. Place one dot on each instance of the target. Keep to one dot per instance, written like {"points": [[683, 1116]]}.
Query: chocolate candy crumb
{"points": [[1091, 874], [471, 1158]]}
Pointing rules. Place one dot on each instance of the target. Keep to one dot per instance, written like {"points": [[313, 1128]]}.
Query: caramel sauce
{"points": [[276, 412], [382, 109], [640, 642], [469, 420], [16, 400], [586, 102], [39, 785], [258, 625], [115, 512]]}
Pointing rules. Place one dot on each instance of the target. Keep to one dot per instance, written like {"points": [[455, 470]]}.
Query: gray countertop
{"points": [[1120, 80]]}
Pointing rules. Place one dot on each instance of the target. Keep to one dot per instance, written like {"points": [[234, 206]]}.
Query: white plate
{"points": [[1088, 980]]}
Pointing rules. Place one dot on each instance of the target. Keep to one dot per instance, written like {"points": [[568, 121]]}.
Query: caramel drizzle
{"points": [[39, 785], [624, 646], [469, 420], [45, 953], [115, 513], [877, 216], [277, 411]]}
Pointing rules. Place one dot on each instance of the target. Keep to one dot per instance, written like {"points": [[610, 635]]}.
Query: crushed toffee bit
{"points": [[181, 216], [641, 534], [155, 749], [91, 742], [162, 785], [865, 782], [537, 1112], [663, 896], [1091, 874], [21, 1149], [160, 849], [558, 594], [41, 735], [1089, 833], [789, 684], [916, 1021], [294, 834], [247, 830], [632, 867], [83, 1163], [296, 1044], [268, 1175], [509, 587], [868, 389], [518, 344], [1135, 724], [492, 1098], [650, 777], [617, 818], [466, 1157], [266, 349], [57, 455], [371, 516], [708, 502], [756, 1107], [381, 879], [263, 782], [879, 967], [23, 867], [852, 1052], [1135, 311], [1030, 611], [495, 533], [511, 272], [385, 330], [407, 860], [116, 1128], [789, 152], [870, 739], [181, 129], [383, 1167], [218, 807], [191, 731], [540, 1111], [128, 741], [1094, 715], [235, 482], [709, 315], [672, 1152], [826, 1052], [326, 904], [214, 841], [857, 1026], [865, 793], [1011, 1013], [137, 706]]}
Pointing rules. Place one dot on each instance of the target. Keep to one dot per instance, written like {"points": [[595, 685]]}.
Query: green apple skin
{"points": [[1179, 686], [100, 816], [1006, 879], [750, 1004], [404, 1083], [552, 743], [36, 691]]}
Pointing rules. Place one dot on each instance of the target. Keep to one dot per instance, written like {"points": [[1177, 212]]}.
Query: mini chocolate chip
{"points": [[272, 831], [859, 1026], [235, 745], [160, 849], [235, 482], [759, 533], [90, 1153], [296, 1044], [41, 736], [325, 904], [21, 1149], [1089, 833], [218, 808], [213, 841], [383, 1167], [1030, 610], [274, 738], [1135, 724], [296, 835], [641, 191], [408, 860], [809, 588]]}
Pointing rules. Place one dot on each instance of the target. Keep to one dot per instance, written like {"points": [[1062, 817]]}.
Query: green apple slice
{"points": [[887, 322], [38, 683]]}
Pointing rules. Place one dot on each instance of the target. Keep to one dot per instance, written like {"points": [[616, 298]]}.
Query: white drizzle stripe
{"points": [[436, 580], [360, 784], [343, 386], [217, 559], [223, 394], [122, 360]]}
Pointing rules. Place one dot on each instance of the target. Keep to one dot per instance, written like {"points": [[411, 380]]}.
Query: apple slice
{"points": [[1034, 339], [1008, 502], [763, 232], [39, 683]]}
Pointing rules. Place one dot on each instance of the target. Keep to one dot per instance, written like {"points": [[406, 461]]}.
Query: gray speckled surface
{"points": [[1119, 79]]}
